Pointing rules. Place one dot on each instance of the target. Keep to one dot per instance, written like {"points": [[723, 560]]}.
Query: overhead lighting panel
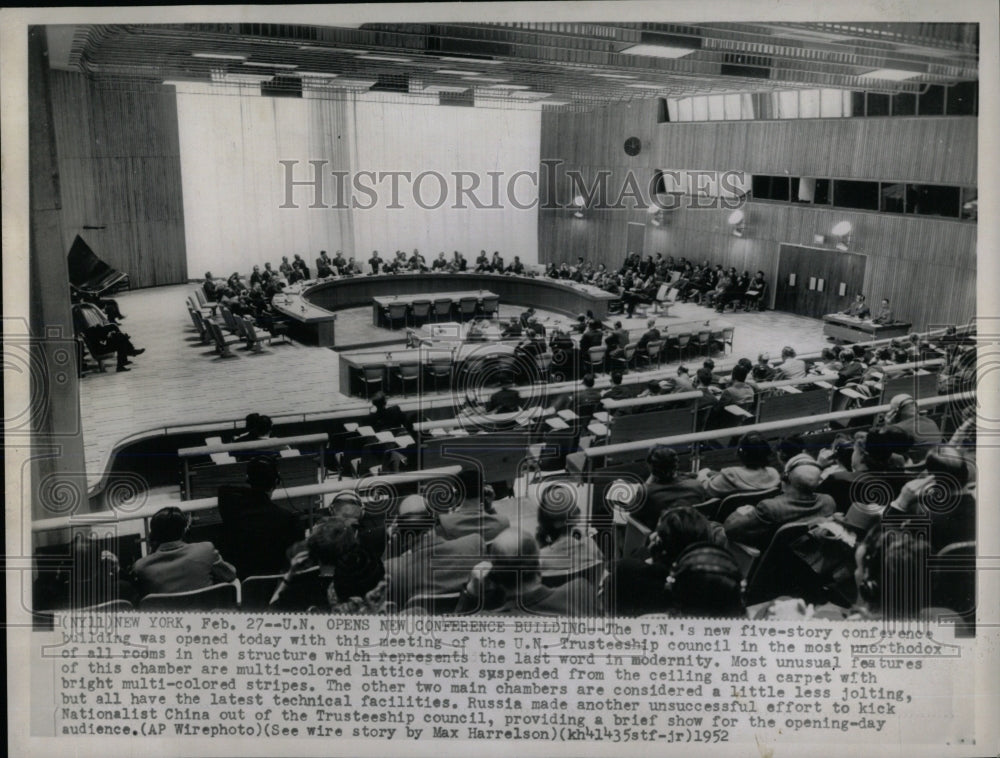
{"points": [[456, 72], [456, 59], [485, 79], [390, 58], [508, 86], [657, 51], [262, 64], [890, 74], [220, 56], [616, 76]]}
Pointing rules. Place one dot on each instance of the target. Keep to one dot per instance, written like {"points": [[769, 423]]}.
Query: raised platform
{"points": [[849, 329]]}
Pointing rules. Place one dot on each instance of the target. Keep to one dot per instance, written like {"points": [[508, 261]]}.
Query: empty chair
{"points": [[372, 377], [625, 361], [683, 342], [420, 312], [395, 313], [726, 338], [228, 320], [438, 369], [407, 373], [254, 337], [467, 308], [595, 359], [198, 324], [652, 354], [491, 306], [636, 535], [203, 303], [704, 341], [202, 323], [218, 597], [221, 343], [442, 308]]}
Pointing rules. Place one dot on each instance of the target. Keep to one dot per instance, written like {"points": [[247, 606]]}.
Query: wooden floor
{"points": [[181, 381]]}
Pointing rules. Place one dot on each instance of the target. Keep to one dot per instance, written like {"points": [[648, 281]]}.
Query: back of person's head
{"points": [[753, 450], [262, 473], [251, 422], [706, 581], [677, 529], [653, 387], [264, 425], [588, 380], [651, 323], [858, 351], [356, 572], [947, 464], [662, 462], [379, 400], [167, 525], [790, 446], [890, 564], [879, 445], [803, 473], [557, 512], [682, 369], [514, 555], [763, 357], [704, 376], [745, 362], [739, 373], [787, 352], [827, 354], [618, 325], [843, 451], [616, 378], [330, 538], [413, 518], [709, 364]]}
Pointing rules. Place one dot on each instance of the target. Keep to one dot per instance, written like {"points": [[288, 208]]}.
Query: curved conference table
{"points": [[315, 304]]}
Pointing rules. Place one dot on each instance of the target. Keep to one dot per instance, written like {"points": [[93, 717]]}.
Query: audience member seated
{"points": [[616, 391], [512, 329], [754, 294], [173, 565], [924, 431], [256, 427], [210, 287], [633, 587], [95, 577], [738, 392], [509, 583], [506, 399], [565, 547], [762, 371], [940, 497], [652, 334], [90, 322], [681, 382], [475, 515], [664, 488], [440, 263], [751, 475], [755, 525], [589, 396], [837, 457], [387, 418], [853, 369], [790, 366], [327, 540], [789, 447], [258, 531], [359, 585], [109, 307], [706, 582], [421, 561], [876, 474]]}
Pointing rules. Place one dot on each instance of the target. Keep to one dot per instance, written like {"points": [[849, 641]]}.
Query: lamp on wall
{"points": [[842, 233], [656, 215], [578, 203], [737, 220]]}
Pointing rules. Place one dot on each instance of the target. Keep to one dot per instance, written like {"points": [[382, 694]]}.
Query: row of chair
{"points": [[242, 328], [420, 312]]}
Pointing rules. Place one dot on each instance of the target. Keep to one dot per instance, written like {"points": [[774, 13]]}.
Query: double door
{"points": [[814, 281]]}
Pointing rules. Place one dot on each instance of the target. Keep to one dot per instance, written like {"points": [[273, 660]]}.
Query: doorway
{"points": [[814, 281]]}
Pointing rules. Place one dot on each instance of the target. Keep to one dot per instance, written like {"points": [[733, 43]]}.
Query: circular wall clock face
{"points": [[633, 145]]}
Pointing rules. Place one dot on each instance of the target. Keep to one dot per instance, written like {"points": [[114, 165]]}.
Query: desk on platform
{"points": [[850, 329], [306, 317]]}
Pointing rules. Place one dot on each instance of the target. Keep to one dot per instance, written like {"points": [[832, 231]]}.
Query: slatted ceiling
{"points": [[119, 166]]}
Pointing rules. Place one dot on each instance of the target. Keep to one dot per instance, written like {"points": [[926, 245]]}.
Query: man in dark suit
{"points": [[884, 313], [664, 488], [258, 532], [324, 266], [376, 262], [512, 329], [174, 565], [387, 417], [858, 308], [622, 334], [504, 400], [591, 338], [422, 561], [652, 334], [854, 368], [440, 263], [509, 583]]}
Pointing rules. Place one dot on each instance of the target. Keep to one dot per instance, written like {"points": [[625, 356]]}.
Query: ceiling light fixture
{"points": [[890, 74], [657, 51], [220, 56], [456, 72], [262, 64], [389, 58], [616, 76]]}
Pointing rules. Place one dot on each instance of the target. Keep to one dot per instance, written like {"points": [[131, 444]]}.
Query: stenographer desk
{"points": [[843, 328]]}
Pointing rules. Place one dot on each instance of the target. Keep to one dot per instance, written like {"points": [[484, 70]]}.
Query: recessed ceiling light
{"points": [[444, 88], [657, 51], [616, 76], [484, 61], [390, 58], [234, 78], [508, 86], [318, 74], [889, 74], [484, 79], [262, 64], [456, 72], [645, 86], [220, 56]]}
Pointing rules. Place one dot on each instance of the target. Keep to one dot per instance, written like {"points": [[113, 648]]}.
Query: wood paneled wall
{"points": [[119, 167], [925, 266]]}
